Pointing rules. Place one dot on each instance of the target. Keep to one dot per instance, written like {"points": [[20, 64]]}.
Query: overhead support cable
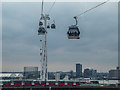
{"points": [[92, 8], [51, 7]]}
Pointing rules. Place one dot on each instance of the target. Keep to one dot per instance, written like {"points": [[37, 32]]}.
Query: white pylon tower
{"points": [[43, 52], [43, 32]]}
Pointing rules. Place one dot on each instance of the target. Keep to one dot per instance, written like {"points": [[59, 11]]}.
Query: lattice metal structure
{"points": [[43, 49]]}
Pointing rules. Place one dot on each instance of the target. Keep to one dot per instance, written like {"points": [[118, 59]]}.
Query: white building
{"points": [[11, 75], [57, 76]]}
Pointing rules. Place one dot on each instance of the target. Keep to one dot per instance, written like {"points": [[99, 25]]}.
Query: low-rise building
{"points": [[114, 73], [90, 73], [31, 73]]}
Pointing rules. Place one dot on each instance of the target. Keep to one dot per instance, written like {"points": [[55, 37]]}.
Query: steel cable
{"points": [[51, 7], [92, 8]]}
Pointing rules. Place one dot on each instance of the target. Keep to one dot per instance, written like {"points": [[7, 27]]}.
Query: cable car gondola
{"points": [[40, 54], [53, 25], [41, 30], [73, 31], [40, 23], [48, 26]]}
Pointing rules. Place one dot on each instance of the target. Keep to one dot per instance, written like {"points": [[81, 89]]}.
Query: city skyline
{"points": [[115, 68], [97, 47]]}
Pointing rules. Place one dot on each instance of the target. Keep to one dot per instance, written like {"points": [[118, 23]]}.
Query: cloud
{"points": [[97, 46]]}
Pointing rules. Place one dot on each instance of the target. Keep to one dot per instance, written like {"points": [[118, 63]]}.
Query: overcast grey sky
{"points": [[97, 47]]}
